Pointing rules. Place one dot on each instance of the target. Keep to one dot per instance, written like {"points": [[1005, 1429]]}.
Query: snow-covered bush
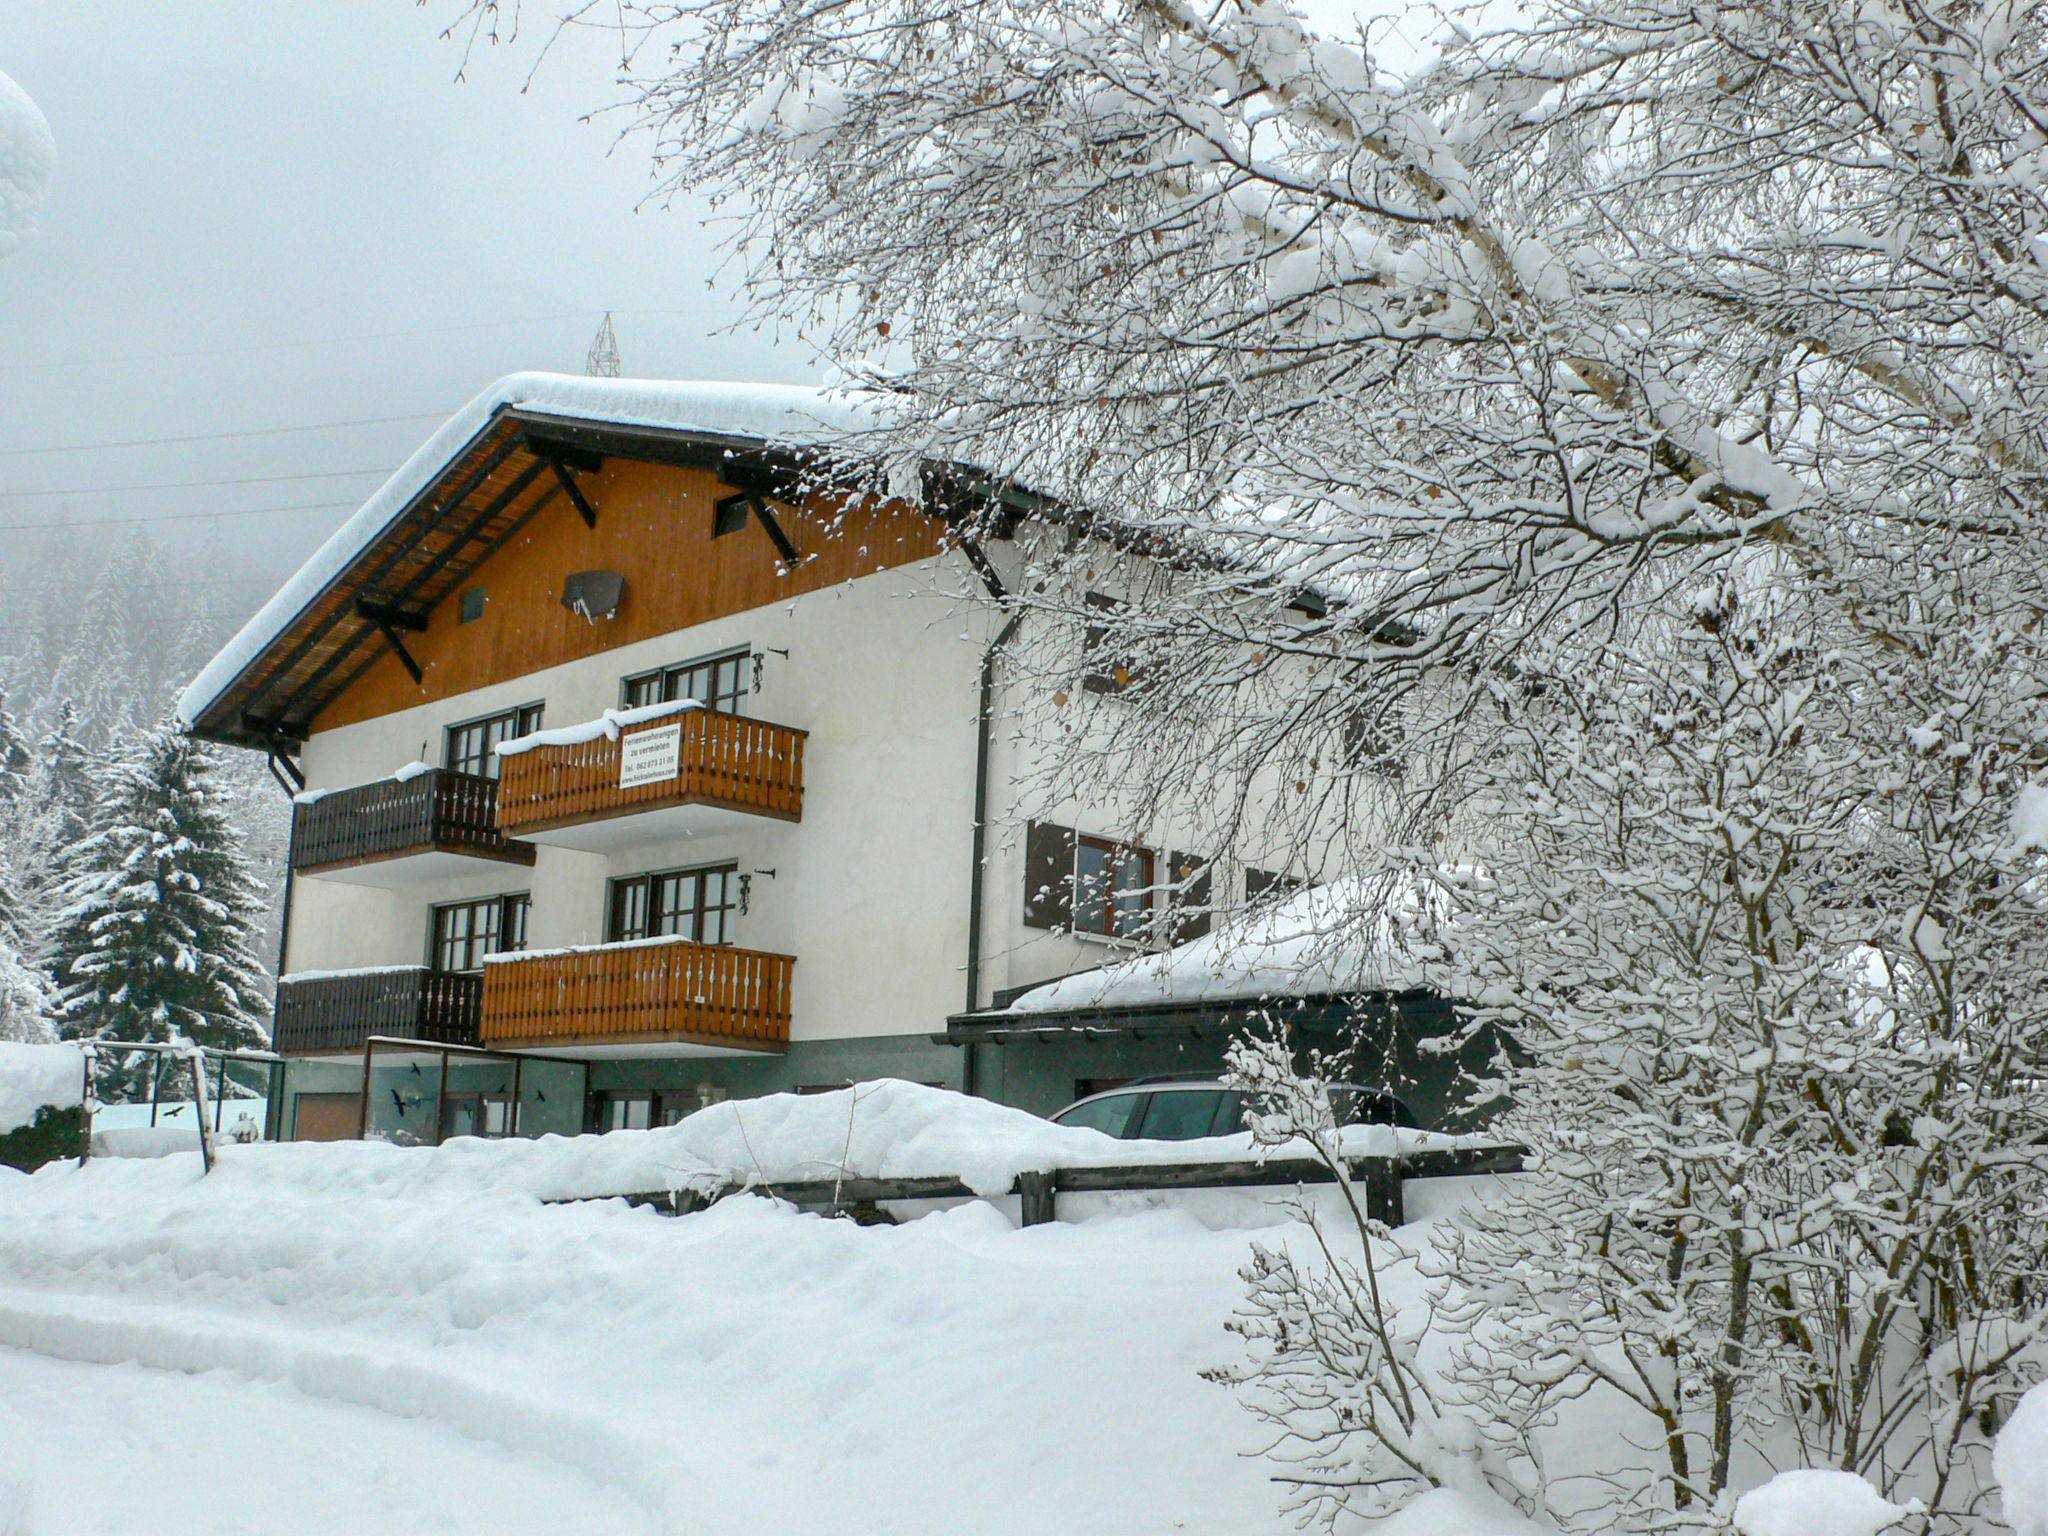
{"points": [[42, 1094]]}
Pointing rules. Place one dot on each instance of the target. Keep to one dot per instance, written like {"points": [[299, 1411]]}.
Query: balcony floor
{"points": [[422, 866], [649, 1048], [636, 825]]}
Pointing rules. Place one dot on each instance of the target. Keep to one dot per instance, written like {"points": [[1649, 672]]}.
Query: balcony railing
{"points": [[340, 1010], [439, 811], [652, 990], [722, 760]]}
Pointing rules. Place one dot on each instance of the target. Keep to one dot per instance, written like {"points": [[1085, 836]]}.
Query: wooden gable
{"points": [[530, 499]]}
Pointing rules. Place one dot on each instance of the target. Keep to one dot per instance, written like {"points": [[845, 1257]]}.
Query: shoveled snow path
{"points": [[457, 1392], [96, 1450]]}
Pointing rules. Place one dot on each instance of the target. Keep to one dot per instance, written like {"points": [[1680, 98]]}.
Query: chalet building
{"points": [[630, 776]]}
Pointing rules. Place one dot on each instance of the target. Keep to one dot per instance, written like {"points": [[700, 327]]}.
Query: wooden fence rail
{"points": [[1379, 1178]]}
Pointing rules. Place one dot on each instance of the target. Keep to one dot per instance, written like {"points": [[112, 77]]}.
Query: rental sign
{"points": [[648, 757]]}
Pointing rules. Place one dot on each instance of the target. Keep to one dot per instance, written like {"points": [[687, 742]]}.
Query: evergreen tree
{"points": [[63, 779], [159, 938], [14, 754]]}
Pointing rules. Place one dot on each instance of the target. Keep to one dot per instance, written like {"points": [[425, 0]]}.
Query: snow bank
{"points": [[785, 414], [2020, 1463], [1813, 1502], [28, 156], [747, 1368], [610, 723], [34, 1075], [1314, 941]]}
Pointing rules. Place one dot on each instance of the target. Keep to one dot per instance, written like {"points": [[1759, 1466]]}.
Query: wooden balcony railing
{"points": [[723, 760], [653, 990], [437, 811], [339, 1012]]}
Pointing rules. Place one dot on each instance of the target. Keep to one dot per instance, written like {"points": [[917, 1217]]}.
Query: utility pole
{"points": [[603, 361]]}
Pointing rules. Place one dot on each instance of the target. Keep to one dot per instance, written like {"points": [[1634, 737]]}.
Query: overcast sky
{"points": [[275, 213]]}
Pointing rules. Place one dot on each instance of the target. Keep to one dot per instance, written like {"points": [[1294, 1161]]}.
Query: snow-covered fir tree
{"points": [[159, 939], [15, 757]]}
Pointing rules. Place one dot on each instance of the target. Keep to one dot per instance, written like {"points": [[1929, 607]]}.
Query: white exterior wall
{"points": [[870, 890]]}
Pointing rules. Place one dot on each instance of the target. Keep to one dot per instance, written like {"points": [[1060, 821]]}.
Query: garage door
{"points": [[329, 1117]]}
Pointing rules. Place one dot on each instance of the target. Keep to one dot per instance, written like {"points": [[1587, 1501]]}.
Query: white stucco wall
{"points": [[869, 890]]}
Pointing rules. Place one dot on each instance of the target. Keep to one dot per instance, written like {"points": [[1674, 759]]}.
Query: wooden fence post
{"points": [[1034, 1199], [1383, 1190]]}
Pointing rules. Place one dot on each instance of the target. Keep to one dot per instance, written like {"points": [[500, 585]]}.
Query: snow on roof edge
{"points": [[769, 413]]}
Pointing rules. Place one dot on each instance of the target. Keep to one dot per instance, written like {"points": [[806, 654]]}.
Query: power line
{"points": [[193, 485], [176, 517], [214, 437]]}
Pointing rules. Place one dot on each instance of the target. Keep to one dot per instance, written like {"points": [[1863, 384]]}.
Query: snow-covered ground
{"points": [[361, 1336], [94, 1450], [748, 1368]]}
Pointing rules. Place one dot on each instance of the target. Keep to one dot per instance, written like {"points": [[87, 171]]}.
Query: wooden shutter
{"points": [[1188, 905], [1048, 876]]}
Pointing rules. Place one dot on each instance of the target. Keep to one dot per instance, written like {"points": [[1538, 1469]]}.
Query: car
{"points": [[1183, 1109]]}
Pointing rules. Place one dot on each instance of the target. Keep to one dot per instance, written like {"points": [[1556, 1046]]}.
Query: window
{"points": [[700, 905], [1111, 1116], [1266, 885], [717, 682], [477, 1114], [1180, 1114], [464, 932], [1103, 670], [472, 605], [1086, 884], [470, 744], [729, 516], [1372, 740], [1112, 888], [625, 1112]]}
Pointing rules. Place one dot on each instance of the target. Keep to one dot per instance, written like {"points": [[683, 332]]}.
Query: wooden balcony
{"points": [[319, 1015], [649, 992], [399, 831], [726, 766]]}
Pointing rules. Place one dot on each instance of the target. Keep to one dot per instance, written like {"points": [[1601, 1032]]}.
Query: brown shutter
{"points": [[1048, 876], [1189, 903]]}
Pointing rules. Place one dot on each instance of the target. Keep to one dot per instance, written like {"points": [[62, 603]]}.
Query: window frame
{"points": [[652, 914], [741, 657], [524, 718], [501, 906], [1116, 855]]}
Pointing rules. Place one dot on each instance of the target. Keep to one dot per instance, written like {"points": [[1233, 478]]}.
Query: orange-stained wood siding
{"points": [[654, 527]]}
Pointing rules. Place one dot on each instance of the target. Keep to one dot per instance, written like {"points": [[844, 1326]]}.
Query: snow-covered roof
{"points": [[1313, 943], [770, 415]]}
